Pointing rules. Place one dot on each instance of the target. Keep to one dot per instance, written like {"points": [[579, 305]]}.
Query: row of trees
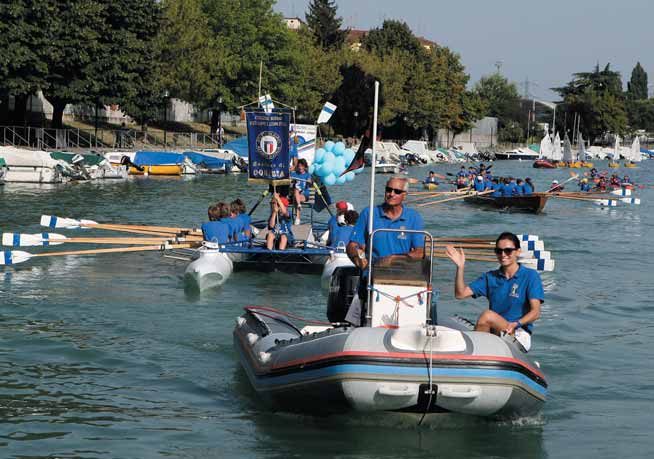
{"points": [[139, 53]]}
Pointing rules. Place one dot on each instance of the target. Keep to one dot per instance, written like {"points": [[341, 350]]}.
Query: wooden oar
{"points": [[455, 198], [47, 239], [12, 257], [52, 221]]}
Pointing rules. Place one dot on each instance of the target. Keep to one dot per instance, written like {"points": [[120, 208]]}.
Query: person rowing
{"points": [[479, 184], [387, 246], [514, 293], [584, 185], [555, 187], [431, 178]]}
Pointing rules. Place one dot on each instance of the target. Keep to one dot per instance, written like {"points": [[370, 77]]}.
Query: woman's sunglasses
{"points": [[394, 190], [507, 250]]}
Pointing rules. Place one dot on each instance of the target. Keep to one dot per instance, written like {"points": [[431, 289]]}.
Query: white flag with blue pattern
{"points": [[326, 112], [266, 103]]}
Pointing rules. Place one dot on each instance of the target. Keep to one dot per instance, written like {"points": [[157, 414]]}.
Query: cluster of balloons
{"points": [[331, 161]]}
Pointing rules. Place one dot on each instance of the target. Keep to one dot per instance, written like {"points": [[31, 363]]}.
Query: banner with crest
{"points": [[268, 147]]}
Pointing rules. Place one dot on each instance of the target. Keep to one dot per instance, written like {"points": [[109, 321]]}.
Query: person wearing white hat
{"points": [[479, 184], [555, 187]]}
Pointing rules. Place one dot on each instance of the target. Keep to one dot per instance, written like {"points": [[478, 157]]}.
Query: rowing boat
{"points": [[531, 203]]}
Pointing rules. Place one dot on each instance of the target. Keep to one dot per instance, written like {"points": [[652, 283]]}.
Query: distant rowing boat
{"points": [[533, 203]]}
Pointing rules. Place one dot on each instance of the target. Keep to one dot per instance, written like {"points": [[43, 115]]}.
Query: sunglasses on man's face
{"points": [[507, 250], [394, 190]]}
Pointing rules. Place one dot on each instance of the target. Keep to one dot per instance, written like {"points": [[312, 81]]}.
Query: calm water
{"points": [[107, 356]]}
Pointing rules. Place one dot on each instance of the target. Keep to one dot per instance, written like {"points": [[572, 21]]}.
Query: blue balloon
{"points": [[339, 164], [359, 170], [320, 153], [330, 180], [326, 168], [339, 148], [312, 169], [341, 180], [349, 176], [348, 154], [329, 145], [328, 158]]}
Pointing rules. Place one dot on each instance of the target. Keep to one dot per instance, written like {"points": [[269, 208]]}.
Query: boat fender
{"points": [[252, 338], [264, 357], [396, 391], [464, 392]]}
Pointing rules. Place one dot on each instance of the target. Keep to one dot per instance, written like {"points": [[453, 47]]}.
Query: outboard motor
{"points": [[342, 290]]}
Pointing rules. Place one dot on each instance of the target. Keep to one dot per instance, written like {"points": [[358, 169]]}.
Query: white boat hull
{"points": [[211, 269], [336, 260]]}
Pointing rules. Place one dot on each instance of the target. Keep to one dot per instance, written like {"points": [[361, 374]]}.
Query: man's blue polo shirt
{"points": [[510, 297], [527, 188], [497, 187], [386, 244]]}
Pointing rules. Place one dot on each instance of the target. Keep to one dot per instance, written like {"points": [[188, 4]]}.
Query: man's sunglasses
{"points": [[394, 190], [507, 251]]}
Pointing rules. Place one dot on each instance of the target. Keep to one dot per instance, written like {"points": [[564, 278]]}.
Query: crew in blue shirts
{"points": [[509, 187], [216, 230], [479, 184], [392, 214], [584, 185], [528, 187], [497, 188], [519, 188], [514, 293]]}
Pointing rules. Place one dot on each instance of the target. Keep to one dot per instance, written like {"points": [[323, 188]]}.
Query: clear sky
{"points": [[543, 41]]}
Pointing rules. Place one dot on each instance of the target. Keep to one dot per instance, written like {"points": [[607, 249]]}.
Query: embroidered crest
{"points": [[514, 291]]}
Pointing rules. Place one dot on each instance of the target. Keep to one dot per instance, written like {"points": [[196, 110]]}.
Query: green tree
{"points": [[637, 85], [325, 25], [393, 35], [502, 101], [598, 98], [23, 37], [641, 114]]}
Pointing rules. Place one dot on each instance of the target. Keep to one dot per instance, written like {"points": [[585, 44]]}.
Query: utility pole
{"points": [[498, 66]]}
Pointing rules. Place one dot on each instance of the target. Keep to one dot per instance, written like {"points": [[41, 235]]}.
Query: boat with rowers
{"points": [[534, 203], [403, 359]]}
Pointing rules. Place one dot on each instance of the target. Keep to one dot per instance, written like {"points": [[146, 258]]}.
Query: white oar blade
{"points": [[52, 221], [538, 254], [32, 240], [606, 202], [538, 264], [13, 257], [622, 192], [532, 245], [528, 237], [635, 201]]}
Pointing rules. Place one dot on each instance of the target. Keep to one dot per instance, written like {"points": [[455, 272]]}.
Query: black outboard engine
{"points": [[342, 290]]}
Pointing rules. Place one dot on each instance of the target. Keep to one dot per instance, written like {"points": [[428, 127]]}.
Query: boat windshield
{"points": [[402, 271]]}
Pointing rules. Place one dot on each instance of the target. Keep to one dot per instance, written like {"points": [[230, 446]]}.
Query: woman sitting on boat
{"points": [[216, 230], [497, 188], [509, 188], [302, 187], [594, 173], [237, 209], [279, 223], [584, 185], [519, 188], [601, 185], [514, 292]]}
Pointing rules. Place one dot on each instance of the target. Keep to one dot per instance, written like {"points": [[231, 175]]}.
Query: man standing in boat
{"points": [[387, 246], [514, 292]]}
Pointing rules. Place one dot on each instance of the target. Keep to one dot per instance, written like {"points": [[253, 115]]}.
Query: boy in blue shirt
{"points": [[514, 293], [216, 230], [237, 209]]}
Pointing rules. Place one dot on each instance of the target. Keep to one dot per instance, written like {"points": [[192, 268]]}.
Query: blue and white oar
{"points": [[31, 240], [540, 254], [528, 237], [635, 201], [538, 264], [59, 222], [606, 202]]}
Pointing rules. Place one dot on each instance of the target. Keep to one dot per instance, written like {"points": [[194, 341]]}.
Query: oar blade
{"points": [[13, 257], [635, 201], [52, 221], [32, 240]]}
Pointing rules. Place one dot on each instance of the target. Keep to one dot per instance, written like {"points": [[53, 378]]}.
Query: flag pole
{"points": [[372, 201]]}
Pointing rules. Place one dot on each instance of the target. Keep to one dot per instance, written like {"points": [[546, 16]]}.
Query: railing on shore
{"points": [[103, 139]]}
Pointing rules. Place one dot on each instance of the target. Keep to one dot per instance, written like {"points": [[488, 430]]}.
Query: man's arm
{"points": [[353, 250]]}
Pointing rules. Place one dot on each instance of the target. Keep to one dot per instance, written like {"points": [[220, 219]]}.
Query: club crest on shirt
{"points": [[514, 291], [402, 235]]}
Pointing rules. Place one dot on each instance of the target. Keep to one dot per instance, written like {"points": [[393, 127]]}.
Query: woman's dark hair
{"points": [[303, 162], [213, 213], [508, 237], [351, 217], [222, 210], [237, 206]]}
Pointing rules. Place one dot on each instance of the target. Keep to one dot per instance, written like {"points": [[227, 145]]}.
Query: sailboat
{"points": [[546, 152], [616, 153], [557, 153], [569, 156], [634, 154], [582, 155]]}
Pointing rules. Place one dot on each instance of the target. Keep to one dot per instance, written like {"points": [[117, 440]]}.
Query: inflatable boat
{"points": [[400, 359]]}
